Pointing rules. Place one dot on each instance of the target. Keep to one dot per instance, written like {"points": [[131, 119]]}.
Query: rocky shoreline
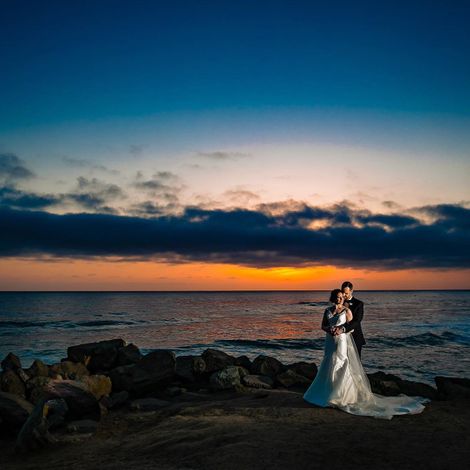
{"points": [[106, 393]]}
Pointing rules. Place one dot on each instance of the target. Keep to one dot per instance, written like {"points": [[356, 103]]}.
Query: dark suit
{"points": [[357, 308]]}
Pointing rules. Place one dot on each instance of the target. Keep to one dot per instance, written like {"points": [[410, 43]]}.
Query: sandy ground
{"points": [[276, 431]]}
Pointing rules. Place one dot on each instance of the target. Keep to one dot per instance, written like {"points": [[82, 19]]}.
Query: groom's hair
{"points": [[346, 284]]}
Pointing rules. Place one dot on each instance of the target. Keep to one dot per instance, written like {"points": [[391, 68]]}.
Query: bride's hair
{"points": [[334, 295]]}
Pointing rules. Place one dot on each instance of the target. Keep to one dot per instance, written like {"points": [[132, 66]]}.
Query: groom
{"points": [[357, 308]]}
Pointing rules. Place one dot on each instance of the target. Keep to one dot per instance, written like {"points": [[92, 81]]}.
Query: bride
{"points": [[341, 381]]}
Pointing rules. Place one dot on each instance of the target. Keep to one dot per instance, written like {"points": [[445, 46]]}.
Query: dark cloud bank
{"points": [[249, 237], [288, 233]]}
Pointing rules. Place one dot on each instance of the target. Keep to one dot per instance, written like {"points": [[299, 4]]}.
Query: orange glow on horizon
{"points": [[73, 274]]}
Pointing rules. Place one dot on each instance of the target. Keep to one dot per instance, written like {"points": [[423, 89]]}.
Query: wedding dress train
{"points": [[341, 381]]}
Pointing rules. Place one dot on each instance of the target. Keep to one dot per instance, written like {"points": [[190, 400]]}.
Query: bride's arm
{"points": [[325, 324]]}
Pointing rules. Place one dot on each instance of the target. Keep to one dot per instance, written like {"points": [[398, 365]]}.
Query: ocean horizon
{"points": [[416, 334]]}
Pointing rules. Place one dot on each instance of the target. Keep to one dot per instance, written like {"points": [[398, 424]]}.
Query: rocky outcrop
{"points": [[216, 360], [14, 411], [267, 365], [81, 403], [391, 385], [453, 388], [100, 356], [152, 373]]}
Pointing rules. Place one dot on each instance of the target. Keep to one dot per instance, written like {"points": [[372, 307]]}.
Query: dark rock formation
{"points": [[11, 362], [100, 356], [267, 365], [14, 411], [216, 360], [391, 385], [81, 403], [452, 388], [127, 355], [11, 383]]}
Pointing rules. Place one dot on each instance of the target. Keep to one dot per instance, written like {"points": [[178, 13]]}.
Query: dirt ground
{"points": [[275, 429]]}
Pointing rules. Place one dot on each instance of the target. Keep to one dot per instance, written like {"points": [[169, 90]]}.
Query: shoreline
{"points": [[107, 405]]}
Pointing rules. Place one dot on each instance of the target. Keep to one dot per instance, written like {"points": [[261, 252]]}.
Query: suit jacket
{"points": [[357, 308]]}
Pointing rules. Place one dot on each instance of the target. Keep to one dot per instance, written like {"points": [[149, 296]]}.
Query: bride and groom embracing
{"points": [[341, 381]]}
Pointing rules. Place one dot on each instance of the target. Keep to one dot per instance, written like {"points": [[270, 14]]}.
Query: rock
{"points": [[189, 367], [57, 410], [391, 385], [98, 385], [225, 379], [121, 378], [258, 381], [451, 388], [115, 400], [154, 371], [266, 365], [69, 370], [148, 404], [11, 362], [81, 403], [307, 369], [82, 426], [100, 356], [35, 431], [289, 378], [127, 355], [35, 387], [38, 369], [14, 411], [243, 361], [216, 360], [11, 383]]}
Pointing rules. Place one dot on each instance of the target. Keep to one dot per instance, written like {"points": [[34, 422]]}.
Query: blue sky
{"points": [[66, 61]]}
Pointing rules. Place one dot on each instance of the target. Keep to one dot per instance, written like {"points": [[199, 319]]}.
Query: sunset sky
{"points": [[221, 145]]}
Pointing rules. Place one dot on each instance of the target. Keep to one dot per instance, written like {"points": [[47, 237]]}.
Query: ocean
{"points": [[414, 334]]}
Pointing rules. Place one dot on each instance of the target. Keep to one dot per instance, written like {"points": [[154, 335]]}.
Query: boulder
{"points": [[258, 381], [38, 369], [152, 373], [115, 400], [266, 365], [225, 379], [289, 378], [100, 356], [391, 385], [451, 388], [11, 362], [69, 370], [11, 383], [127, 355], [57, 410], [243, 361], [35, 431], [148, 404], [189, 367], [14, 411], [81, 403], [216, 360], [98, 385], [121, 378], [306, 369], [35, 387]]}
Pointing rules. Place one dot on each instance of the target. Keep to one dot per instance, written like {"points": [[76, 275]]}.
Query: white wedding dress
{"points": [[341, 381]]}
